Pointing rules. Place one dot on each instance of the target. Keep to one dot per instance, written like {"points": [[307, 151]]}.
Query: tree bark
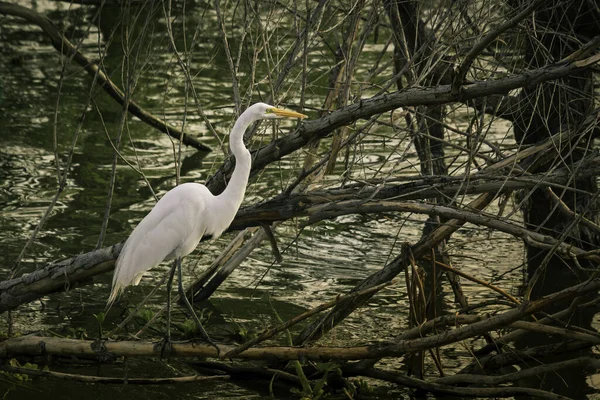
{"points": [[546, 109], [441, 94]]}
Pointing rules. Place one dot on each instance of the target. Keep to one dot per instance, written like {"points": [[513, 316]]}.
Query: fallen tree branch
{"points": [[489, 180], [578, 363], [532, 355], [418, 189], [535, 239], [508, 391], [105, 349], [554, 331], [65, 47], [269, 333], [518, 333], [320, 327], [284, 207], [111, 380], [57, 276]]}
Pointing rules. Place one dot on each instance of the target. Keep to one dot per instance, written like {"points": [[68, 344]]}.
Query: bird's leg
{"points": [[191, 309], [166, 348]]}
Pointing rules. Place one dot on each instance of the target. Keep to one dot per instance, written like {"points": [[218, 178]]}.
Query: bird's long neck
{"points": [[234, 192]]}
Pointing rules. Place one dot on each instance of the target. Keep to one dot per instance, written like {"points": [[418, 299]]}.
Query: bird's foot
{"points": [[166, 347], [206, 339], [213, 344]]}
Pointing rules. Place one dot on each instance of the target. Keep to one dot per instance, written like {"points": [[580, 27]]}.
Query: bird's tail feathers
{"points": [[117, 287], [116, 290]]}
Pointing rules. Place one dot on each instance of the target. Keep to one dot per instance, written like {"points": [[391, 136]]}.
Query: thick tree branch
{"points": [[57, 276], [319, 128], [284, 207]]}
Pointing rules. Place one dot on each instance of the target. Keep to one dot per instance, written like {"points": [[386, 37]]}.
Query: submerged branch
{"points": [[112, 380]]}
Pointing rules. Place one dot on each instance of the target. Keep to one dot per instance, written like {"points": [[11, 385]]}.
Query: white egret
{"points": [[186, 213]]}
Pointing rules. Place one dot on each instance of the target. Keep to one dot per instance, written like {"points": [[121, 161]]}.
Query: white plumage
{"points": [[172, 229], [176, 224]]}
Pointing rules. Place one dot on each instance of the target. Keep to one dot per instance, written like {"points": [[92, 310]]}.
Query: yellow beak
{"points": [[282, 112]]}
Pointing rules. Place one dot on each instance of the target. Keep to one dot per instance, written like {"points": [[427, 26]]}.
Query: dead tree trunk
{"points": [[556, 32]]}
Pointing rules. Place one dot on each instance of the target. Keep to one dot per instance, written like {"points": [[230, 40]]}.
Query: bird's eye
{"points": [[268, 111]]}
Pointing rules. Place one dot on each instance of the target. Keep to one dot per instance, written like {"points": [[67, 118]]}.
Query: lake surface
{"points": [[324, 260]]}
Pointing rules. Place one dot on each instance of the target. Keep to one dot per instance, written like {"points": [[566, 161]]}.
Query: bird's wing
{"points": [[175, 223]]}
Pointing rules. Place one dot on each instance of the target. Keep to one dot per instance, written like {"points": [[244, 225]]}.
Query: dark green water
{"points": [[326, 259]]}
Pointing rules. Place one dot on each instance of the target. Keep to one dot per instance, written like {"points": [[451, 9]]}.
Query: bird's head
{"points": [[266, 111]]}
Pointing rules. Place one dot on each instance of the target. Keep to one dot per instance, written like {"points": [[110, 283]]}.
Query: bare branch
{"points": [[63, 45]]}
